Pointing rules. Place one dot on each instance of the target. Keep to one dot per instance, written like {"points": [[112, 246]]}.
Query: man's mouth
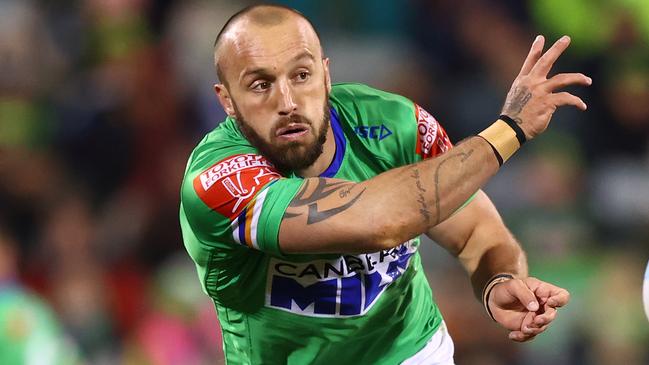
{"points": [[292, 131]]}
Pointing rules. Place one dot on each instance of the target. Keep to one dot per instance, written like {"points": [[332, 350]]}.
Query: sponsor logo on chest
{"points": [[343, 287], [373, 131]]}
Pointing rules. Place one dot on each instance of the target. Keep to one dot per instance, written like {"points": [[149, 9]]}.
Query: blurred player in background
{"points": [[29, 331], [303, 209]]}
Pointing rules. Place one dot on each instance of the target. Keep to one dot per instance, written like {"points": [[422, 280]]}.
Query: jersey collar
{"points": [[341, 145]]}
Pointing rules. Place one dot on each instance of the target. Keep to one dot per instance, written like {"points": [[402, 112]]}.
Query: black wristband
{"points": [[520, 135]]}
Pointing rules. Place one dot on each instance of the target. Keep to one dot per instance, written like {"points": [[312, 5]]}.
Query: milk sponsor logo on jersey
{"points": [[342, 287], [231, 184], [426, 131]]}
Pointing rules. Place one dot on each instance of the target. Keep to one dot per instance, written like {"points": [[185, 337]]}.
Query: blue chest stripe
{"points": [[341, 145]]}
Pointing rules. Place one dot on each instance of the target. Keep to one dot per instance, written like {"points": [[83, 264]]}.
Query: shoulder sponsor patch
{"points": [[229, 185], [432, 140]]}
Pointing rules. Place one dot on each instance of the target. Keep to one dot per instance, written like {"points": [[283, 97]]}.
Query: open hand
{"points": [[532, 99], [526, 306]]}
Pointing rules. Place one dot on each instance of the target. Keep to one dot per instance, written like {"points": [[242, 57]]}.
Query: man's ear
{"points": [[224, 98], [325, 65]]}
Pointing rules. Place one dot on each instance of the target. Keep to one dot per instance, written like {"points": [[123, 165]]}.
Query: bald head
{"points": [[250, 19], [273, 75]]}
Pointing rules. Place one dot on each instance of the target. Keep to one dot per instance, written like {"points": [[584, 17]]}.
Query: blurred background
{"points": [[101, 102]]}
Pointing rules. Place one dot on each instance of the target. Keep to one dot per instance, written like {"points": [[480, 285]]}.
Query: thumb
{"points": [[524, 295]]}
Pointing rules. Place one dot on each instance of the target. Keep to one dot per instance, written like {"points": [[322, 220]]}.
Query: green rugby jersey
{"points": [[275, 308]]}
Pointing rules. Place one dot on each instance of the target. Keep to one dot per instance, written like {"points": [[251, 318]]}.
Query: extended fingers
{"points": [[533, 56], [566, 79], [544, 64], [565, 98]]}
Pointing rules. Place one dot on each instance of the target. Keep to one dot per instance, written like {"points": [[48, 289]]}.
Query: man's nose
{"points": [[286, 102]]}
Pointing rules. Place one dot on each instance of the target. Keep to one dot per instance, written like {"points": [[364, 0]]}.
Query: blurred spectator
{"points": [[180, 326], [102, 101], [29, 331]]}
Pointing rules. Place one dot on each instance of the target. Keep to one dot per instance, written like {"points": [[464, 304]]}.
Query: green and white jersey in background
{"points": [[274, 308], [29, 332]]}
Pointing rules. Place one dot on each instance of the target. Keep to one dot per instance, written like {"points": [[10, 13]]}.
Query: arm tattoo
{"points": [[438, 209], [321, 191], [516, 100], [423, 207], [316, 216], [344, 192], [288, 215]]}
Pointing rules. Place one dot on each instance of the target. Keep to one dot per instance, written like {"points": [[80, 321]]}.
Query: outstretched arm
{"points": [[330, 215]]}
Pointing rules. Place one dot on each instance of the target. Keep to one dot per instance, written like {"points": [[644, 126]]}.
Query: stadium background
{"points": [[101, 102]]}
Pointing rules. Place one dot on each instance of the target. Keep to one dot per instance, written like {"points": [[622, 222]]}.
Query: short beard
{"points": [[293, 156]]}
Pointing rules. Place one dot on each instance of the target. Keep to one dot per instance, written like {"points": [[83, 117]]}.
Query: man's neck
{"points": [[328, 153]]}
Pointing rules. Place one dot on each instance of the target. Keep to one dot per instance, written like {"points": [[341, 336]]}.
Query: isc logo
{"points": [[342, 287], [373, 132]]}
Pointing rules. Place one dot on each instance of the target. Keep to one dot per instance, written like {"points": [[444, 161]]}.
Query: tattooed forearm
{"points": [[464, 156], [322, 190], [288, 214], [516, 101], [423, 207], [344, 192], [316, 216]]}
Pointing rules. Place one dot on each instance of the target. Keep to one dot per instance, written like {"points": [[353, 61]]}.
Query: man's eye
{"points": [[261, 86], [302, 76]]}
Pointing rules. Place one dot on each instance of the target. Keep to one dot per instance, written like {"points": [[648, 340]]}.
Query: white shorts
{"points": [[438, 350]]}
